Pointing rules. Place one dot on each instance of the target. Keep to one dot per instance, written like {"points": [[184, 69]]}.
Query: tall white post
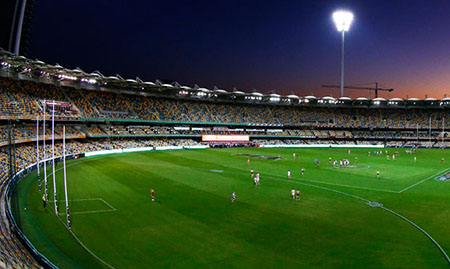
{"points": [[37, 154], [55, 198], [45, 154], [66, 195]]}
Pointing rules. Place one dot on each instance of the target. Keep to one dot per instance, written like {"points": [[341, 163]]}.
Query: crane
{"points": [[376, 89]]}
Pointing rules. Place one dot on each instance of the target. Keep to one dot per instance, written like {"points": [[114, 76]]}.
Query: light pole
{"points": [[343, 19]]}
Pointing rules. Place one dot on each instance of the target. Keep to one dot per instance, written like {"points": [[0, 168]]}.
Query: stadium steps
{"points": [[70, 101], [89, 102]]}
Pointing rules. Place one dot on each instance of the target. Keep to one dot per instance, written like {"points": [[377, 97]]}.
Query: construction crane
{"points": [[376, 89]]}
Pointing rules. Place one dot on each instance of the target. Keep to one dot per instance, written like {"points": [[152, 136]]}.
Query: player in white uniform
{"points": [[293, 194], [415, 159], [233, 197], [289, 174]]}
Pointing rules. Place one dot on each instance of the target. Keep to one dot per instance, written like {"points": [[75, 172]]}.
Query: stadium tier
{"points": [[108, 113]]}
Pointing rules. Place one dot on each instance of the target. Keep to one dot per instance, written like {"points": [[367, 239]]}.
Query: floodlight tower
{"points": [[343, 19]]}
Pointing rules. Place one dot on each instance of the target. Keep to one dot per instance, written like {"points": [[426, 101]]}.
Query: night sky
{"points": [[280, 46]]}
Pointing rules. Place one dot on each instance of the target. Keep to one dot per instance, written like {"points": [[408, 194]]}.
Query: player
{"points": [[349, 152], [442, 160], [233, 197], [341, 163], [415, 159], [378, 173], [153, 195], [393, 157], [257, 179], [298, 194], [303, 171], [294, 155], [387, 157], [44, 201], [356, 160], [251, 173], [329, 160], [293, 193], [289, 174], [318, 164], [369, 153], [335, 163], [248, 161]]}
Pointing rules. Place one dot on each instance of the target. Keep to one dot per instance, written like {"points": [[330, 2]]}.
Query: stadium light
{"points": [[342, 19]]}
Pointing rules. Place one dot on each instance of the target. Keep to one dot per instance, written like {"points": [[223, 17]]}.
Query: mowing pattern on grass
{"points": [[193, 223]]}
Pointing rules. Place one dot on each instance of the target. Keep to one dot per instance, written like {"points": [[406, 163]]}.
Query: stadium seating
{"points": [[27, 99]]}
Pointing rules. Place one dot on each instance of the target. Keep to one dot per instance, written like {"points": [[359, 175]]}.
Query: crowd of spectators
{"points": [[26, 98], [24, 132]]}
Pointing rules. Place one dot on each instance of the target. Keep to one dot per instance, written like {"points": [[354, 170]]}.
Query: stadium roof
{"points": [[21, 67]]}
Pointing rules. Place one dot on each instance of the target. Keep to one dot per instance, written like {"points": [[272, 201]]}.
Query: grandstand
{"points": [[106, 113]]}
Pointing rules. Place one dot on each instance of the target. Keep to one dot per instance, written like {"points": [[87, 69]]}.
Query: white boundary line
{"points": [[327, 183], [83, 246], [72, 233], [422, 181], [356, 187], [344, 185], [112, 209], [446, 257], [88, 212]]}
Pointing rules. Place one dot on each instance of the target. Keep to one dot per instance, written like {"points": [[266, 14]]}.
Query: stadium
{"points": [[104, 172]]}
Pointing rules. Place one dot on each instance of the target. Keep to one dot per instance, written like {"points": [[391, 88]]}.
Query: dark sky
{"points": [[281, 46]]}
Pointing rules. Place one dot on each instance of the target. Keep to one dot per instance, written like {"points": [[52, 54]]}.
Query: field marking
{"points": [[314, 186], [70, 231], [356, 187], [83, 246], [382, 207], [422, 181], [422, 230], [327, 183], [111, 208]]}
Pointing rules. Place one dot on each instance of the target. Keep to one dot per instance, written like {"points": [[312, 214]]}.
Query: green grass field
{"points": [[194, 224]]}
